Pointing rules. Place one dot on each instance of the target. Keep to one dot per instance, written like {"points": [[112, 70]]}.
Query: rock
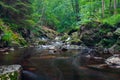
{"points": [[12, 49], [64, 37], [15, 44], [68, 39], [90, 53], [52, 47], [115, 49], [86, 52], [57, 44], [49, 47], [10, 72], [6, 53], [109, 34], [58, 38], [70, 47], [113, 60], [4, 49], [89, 34], [117, 31], [75, 41]]}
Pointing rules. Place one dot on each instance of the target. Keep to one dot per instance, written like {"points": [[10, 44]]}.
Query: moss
{"points": [[42, 42], [76, 41], [10, 38], [64, 37], [107, 42], [10, 76]]}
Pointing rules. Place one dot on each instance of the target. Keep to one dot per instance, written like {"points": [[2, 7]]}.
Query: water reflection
{"points": [[40, 65], [27, 75]]}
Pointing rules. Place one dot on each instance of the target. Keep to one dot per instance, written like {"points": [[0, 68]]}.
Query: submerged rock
{"points": [[11, 72]]}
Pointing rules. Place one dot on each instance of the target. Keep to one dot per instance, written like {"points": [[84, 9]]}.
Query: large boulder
{"points": [[113, 61], [94, 34], [10, 72]]}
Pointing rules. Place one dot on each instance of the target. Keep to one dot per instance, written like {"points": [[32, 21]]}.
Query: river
{"points": [[48, 65]]}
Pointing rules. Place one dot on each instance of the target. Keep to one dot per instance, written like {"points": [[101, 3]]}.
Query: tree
{"points": [[103, 8], [115, 7], [76, 9]]}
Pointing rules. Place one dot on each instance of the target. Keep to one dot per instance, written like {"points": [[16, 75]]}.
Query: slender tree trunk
{"points": [[115, 7], [118, 3], [110, 7], [103, 8], [77, 10]]}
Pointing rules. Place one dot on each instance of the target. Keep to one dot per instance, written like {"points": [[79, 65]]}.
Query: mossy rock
{"points": [[10, 76], [117, 32], [107, 42], [42, 42], [97, 33], [76, 41], [64, 37], [11, 72]]}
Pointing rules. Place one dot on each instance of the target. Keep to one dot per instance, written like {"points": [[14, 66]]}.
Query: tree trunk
{"points": [[110, 7], [103, 8], [118, 4], [76, 9], [115, 7]]}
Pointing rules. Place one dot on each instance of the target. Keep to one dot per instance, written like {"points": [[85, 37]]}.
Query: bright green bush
{"points": [[112, 20]]}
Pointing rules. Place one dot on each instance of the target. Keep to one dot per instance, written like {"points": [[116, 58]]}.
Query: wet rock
{"points": [[87, 52], [113, 61], [6, 53], [57, 44], [49, 47], [52, 47], [58, 38], [6, 49], [12, 49], [68, 39], [92, 53], [11, 72], [70, 47]]}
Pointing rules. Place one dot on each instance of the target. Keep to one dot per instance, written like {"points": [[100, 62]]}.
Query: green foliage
{"points": [[7, 36], [19, 16], [12, 76], [16, 14], [107, 42], [112, 20]]}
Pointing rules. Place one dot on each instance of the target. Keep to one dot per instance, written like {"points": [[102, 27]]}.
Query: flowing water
{"points": [[49, 65]]}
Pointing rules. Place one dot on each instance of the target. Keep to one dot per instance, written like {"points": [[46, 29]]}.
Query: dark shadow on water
{"points": [[27, 75]]}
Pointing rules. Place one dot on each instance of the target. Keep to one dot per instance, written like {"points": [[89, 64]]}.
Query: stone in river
{"points": [[113, 61], [10, 72]]}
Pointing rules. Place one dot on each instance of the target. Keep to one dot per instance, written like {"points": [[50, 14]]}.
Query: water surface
{"points": [[49, 65]]}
